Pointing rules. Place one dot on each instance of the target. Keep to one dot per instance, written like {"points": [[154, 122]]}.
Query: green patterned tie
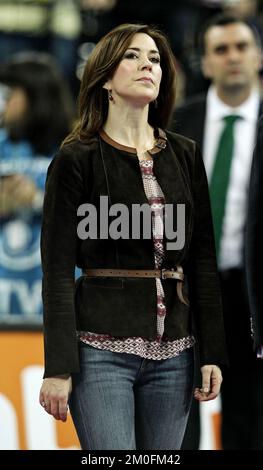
{"points": [[220, 176]]}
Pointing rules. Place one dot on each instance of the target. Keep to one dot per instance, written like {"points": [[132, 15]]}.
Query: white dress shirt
{"points": [[232, 241]]}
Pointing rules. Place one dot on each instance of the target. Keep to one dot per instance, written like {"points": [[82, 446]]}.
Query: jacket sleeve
{"points": [[254, 240], [63, 193], [205, 294]]}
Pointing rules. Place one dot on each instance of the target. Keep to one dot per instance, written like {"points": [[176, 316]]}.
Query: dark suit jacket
{"points": [[81, 173], [189, 119], [254, 240]]}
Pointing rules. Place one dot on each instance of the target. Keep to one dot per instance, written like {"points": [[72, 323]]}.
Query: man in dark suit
{"points": [[231, 60]]}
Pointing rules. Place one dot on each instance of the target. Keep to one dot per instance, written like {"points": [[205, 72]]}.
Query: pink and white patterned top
{"points": [[151, 349]]}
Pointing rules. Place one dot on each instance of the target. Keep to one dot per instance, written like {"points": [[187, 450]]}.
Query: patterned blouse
{"points": [[159, 348]]}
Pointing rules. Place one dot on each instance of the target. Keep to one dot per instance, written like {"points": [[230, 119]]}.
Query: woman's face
{"points": [[16, 106], [138, 76]]}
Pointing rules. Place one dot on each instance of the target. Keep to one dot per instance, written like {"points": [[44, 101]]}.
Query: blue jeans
{"points": [[122, 401]]}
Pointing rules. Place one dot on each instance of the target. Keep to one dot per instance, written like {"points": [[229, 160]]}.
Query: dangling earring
{"points": [[155, 103], [110, 95]]}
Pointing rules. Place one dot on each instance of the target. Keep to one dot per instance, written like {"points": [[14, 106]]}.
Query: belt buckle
{"points": [[163, 273], [163, 276]]}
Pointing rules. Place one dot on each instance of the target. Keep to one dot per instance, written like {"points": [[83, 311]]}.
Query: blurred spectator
{"points": [[224, 124], [183, 23], [37, 115]]}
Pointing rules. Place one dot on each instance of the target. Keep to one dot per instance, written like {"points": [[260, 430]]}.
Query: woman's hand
{"points": [[211, 383], [54, 395]]}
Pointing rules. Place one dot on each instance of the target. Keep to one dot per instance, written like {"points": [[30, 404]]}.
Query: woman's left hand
{"points": [[211, 383]]}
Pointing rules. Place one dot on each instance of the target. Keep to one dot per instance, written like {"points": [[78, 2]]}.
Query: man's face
{"points": [[232, 59]]}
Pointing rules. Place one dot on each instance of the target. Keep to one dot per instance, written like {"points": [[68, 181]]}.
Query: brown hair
{"points": [[100, 66]]}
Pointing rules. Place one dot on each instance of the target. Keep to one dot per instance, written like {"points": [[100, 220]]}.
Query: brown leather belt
{"points": [[143, 273]]}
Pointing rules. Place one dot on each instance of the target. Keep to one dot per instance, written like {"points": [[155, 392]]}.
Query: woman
{"points": [[30, 135], [132, 377]]}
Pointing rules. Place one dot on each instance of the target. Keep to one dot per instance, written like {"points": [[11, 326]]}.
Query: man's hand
{"points": [[54, 395], [211, 383]]}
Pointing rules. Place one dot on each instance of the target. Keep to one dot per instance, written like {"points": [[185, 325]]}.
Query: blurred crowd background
{"points": [[44, 45]]}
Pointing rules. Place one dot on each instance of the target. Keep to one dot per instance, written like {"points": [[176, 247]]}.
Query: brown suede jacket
{"points": [[80, 174]]}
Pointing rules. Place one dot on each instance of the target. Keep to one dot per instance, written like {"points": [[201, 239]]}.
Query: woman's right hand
{"points": [[54, 395]]}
